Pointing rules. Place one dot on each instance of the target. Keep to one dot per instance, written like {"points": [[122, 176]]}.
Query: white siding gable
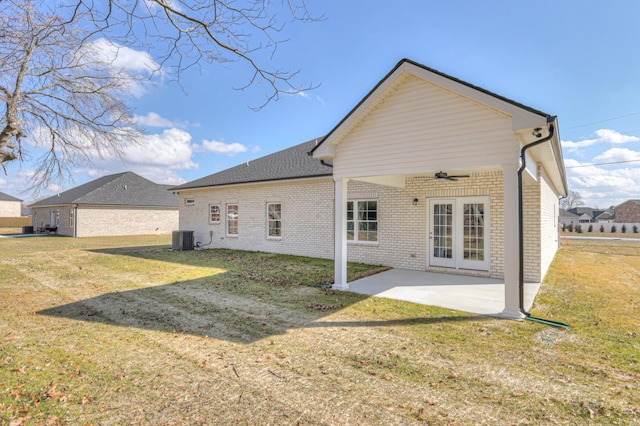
{"points": [[417, 126]]}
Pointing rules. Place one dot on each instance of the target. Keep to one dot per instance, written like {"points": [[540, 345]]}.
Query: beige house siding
{"points": [[417, 126], [307, 217], [105, 221], [10, 209]]}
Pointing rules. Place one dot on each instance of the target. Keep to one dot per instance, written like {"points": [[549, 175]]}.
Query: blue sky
{"points": [[579, 60]]}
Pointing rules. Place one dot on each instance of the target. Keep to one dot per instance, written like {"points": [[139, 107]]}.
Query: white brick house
{"points": [[378, 188], [119, 204]]}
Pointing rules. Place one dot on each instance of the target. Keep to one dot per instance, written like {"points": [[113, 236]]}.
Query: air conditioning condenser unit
{"points": [[182, 240]]}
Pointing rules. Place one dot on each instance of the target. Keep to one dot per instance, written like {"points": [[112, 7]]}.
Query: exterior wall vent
{"points": [[182, 240]]}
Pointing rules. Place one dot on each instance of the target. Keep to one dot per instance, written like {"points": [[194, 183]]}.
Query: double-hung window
{"points": [[362, 220], [274, 220], [232, 219], [214, 213]]}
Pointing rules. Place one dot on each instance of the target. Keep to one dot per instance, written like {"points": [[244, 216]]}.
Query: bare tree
{"points": [[573, 199], [181, 34], [58, 92]]}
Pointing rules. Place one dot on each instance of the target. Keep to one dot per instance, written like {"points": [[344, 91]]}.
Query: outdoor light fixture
{"points": [[415, 201], [536, 132]]}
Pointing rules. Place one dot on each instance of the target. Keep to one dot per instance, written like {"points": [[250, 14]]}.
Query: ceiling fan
{"points": [[444, 175]]}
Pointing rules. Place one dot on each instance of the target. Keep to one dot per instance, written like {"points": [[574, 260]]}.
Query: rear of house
{"points": [[422, 174]]}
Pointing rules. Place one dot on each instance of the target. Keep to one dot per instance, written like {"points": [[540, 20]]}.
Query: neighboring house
{"points": [[604, 217], [568, 218], [590, 215], [378, 189], [10, 206], [628, 212], [119, 204]]}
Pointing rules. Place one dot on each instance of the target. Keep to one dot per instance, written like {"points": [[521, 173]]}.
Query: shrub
{"points": [[564, 227], [590, 228], [624, 228], [570, 227], [614, 229], [601, 228], [579, 229], [635, 229]]}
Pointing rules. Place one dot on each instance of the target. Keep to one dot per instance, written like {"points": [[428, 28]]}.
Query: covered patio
{"points": [[477, 295]]}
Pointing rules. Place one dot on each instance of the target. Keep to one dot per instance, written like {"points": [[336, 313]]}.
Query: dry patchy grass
{"points": [[124, 331]]}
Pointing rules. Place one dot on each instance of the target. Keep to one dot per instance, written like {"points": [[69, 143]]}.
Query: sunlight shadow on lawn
{"points": [[210, 307]]}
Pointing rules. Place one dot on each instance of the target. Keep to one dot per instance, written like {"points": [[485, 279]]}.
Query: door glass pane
{"points": [[473, 232], [443, 231]]}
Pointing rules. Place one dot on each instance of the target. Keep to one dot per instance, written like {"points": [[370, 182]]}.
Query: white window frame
{"points": [[230, 221], [71, 217], [356, 221], [212, 221], [189, 202], [270, 220]]}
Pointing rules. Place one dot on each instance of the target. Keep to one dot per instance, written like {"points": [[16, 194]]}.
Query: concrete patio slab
{"points": [[478, 295]]}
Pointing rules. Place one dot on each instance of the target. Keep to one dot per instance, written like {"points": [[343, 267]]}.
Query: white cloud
{"points": [[171, 149], [602, 187], [617, 154], [229, 149], [130, 67], [125, 58], [153, 119], [603, 136]]}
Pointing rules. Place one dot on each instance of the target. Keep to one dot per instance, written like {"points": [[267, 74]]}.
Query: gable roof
{"points": [[523, 118], [122, 189], [567, 214], [7, 197], [290, 163], [603, 215]]}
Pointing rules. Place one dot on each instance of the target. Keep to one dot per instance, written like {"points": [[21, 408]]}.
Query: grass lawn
{"points": [[125, 331]]}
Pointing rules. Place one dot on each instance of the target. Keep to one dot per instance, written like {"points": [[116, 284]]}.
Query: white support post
{"points": [[340, 235], [511, 244]]}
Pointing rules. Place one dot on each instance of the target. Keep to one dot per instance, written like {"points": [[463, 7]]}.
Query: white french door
{"points": [[459, 233]]}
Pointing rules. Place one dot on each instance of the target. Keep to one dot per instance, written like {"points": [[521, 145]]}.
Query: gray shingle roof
{"points": [[565, 213], [7, 197], [122, 189], [291, 163]]}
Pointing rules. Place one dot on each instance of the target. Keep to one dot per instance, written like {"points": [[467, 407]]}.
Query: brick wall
{"points": [[549, 212], [628, 212], [307, 219], [403, 227], [101, 221], [10, 209]]}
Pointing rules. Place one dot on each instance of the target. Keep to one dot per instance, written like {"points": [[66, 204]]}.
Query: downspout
{"points": [[523, 165]]}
